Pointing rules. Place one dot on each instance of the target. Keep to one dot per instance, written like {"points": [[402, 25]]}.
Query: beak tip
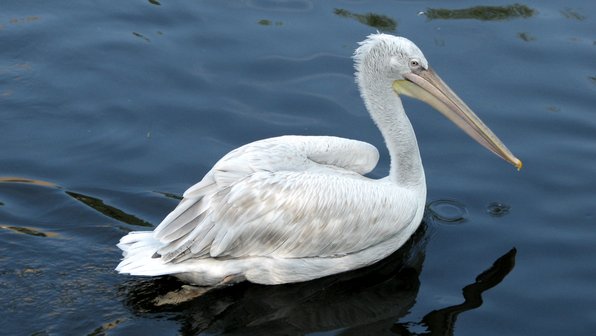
{"points": [[518, 164]]}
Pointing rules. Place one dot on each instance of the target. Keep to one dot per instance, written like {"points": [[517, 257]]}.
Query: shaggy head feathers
{"points": [[386, 55]]}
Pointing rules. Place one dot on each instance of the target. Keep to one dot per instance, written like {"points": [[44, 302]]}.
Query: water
{"points": [[111, 110]]}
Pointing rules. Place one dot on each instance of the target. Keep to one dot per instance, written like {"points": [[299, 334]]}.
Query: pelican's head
{"points": [[392, 62], [388, 57]]}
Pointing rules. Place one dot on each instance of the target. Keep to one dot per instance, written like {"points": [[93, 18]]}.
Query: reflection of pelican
{"points": [[295, 208], [372, 300]]}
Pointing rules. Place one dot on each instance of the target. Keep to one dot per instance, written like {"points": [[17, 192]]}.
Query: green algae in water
{"points": [[170, 195], [378, 21], [483, 13], [571, 14], [28, 231], [526, 37], [139, 35], [108, 210], [265, 22]]}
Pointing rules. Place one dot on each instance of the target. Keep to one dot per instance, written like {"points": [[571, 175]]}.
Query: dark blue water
{"points": [[109, 110]]}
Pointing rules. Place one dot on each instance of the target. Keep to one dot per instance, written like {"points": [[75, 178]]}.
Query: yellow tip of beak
{"points": [[518, 164]]}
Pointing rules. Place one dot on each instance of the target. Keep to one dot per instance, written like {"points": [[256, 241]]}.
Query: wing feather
{"points": [[289, 197], [258, 217]]}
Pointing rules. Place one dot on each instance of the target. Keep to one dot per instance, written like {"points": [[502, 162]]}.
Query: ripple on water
{"points": [[497, 209], [447, 211]]}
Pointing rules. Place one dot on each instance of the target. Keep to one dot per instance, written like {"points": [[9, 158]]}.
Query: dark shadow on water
{"points": [[367, 301]]}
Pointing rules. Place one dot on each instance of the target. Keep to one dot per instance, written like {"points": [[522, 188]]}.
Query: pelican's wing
{"points": [[251, 204]]}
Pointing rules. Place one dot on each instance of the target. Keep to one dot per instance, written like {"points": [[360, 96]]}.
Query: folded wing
{"points": [[287, 197]]}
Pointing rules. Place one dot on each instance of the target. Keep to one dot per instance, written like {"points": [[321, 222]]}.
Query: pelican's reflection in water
{"points": [[367, 301]]}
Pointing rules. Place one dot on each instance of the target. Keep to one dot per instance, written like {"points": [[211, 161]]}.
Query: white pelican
{"points": [[296, 208]]}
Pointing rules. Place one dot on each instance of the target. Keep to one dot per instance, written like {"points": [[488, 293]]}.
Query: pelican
{"points": [[295, 208]]}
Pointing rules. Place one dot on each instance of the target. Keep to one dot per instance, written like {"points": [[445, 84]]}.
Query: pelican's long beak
{"points": [[427, 86]]}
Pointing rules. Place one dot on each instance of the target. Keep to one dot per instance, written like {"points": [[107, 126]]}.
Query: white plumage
{"points": [[295, 208]]}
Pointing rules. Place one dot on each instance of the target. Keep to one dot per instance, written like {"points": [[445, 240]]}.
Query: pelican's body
{"points": [[295, 208]]}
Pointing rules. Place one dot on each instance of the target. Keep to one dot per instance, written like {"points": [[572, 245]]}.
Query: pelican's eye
{"points": [[414, 64]]}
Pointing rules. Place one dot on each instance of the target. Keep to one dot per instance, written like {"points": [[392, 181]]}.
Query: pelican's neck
{"points": [[387, 111]]}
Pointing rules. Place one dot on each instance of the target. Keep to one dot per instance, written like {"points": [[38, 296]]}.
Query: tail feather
{"points": [[138, 249]]}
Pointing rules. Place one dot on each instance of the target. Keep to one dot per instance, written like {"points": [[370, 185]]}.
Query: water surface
{"points": [[109, 111]]}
